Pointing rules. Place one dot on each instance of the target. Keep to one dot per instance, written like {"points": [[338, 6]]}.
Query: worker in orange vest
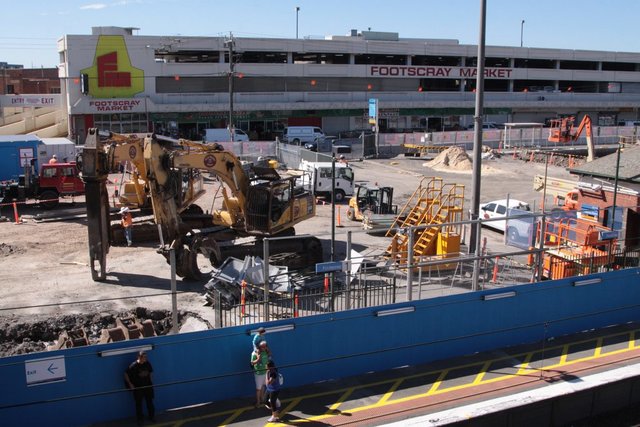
{"points": [[53, 160], [127, 223]]}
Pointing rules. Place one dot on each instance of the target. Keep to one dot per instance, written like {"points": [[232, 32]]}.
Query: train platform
{"points": [[443, 393]]}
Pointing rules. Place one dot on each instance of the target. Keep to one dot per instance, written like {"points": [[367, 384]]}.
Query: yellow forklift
{"points": [[371, 200]]}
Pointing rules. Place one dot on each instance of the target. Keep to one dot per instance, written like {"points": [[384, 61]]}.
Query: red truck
{"points": [[54, 181]]}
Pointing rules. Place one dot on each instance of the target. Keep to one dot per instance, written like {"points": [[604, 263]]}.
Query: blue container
{"points": [[15, 152]]}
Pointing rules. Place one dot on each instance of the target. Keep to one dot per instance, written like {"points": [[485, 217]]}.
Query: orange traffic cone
{"points": [[338, 217]]}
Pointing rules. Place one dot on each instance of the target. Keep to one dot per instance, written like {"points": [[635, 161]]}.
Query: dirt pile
{"points": [[30, 337], [455, 158]]}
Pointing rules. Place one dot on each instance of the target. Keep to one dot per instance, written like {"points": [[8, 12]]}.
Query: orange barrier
{"points": [[494, 279], [338, 217], [326, 283], [15, 212], [243, 298]]}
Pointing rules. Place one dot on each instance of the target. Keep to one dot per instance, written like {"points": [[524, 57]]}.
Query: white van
{"points": [[223, 135], [300, 135]]}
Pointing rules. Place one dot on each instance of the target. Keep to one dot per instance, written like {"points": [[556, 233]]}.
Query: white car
{"points": [[518, 227]]}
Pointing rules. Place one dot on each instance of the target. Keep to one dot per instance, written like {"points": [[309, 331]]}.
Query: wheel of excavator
{"points": [[187, 265], [193, 210]]}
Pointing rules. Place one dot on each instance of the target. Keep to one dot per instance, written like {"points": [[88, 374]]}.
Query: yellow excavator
{"points": [[256, 202]]}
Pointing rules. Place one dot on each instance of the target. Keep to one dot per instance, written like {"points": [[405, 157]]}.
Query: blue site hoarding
{"points": [[15, 152]]}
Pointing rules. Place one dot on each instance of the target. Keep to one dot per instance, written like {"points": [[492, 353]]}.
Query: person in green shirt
{"points": [[259, 360]]}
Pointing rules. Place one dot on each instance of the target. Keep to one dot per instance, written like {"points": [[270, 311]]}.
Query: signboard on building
{"points": [[112, 74], [123, 105], [53, 100], [422, 71]]}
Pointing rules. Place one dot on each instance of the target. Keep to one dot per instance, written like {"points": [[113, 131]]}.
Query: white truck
{"points": [[320, 175]]}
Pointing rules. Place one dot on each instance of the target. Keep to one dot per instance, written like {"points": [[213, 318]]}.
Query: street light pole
{"points": [[297, 13], [521, 31]]}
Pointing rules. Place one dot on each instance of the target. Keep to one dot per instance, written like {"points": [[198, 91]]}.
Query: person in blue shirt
{"points": [[273, 386]]}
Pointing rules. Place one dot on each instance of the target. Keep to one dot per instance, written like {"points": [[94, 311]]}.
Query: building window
{"points": [[121, 123]]}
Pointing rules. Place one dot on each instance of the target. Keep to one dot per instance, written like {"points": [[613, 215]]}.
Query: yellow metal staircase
{"points": [[431, 205]]}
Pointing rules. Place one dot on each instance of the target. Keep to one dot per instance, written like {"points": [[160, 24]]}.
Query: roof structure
{"points": [[605, 167]]}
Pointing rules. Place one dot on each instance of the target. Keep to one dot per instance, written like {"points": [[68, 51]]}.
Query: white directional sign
{"points": [[40, 371]]}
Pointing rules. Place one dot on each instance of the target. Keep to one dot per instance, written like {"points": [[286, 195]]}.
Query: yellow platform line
{"points": [[632, 341], [232, 417], [436, 383], [563, 357], [341, 399], [524, 366], [389, 393], [598, 351], [478, 379]]}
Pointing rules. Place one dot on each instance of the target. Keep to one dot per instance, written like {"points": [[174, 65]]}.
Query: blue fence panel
{"points": [[209, 366]]}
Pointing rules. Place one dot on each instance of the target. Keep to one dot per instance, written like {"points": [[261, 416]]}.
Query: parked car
{"points": [[518, 228]]}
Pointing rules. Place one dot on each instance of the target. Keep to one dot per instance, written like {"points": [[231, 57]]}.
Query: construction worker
{"points": [[53, 160], [127, 223]]}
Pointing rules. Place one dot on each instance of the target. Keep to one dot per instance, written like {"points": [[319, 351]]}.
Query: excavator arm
{"points": [[257, 202], [562, 130]]}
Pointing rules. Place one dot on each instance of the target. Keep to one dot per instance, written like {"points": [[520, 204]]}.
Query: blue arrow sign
{"points": [[327, 267]]}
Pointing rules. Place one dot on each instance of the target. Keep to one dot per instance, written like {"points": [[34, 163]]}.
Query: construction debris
{"points": [[83, 329], [229, 279]]}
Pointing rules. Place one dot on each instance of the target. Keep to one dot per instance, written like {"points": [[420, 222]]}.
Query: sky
{"points": [[29, 37]]}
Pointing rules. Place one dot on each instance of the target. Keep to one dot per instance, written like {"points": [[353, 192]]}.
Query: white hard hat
{"points": [[55, 157]]}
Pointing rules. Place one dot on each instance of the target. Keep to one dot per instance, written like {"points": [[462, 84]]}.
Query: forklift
{"points": [[371, 199]]}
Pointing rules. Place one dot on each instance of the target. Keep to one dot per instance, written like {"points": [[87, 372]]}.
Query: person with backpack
{"points": [[259, 359], [273, 383]]}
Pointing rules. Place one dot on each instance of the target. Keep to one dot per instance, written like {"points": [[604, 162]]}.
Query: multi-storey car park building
{"points": [[113, 79]]}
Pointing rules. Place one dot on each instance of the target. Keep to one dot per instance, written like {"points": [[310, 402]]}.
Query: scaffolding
{"points": [[422, 224]]}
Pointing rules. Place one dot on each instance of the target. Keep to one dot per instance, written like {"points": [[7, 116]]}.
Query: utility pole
{"points": [[474, 238], [229, 43]]}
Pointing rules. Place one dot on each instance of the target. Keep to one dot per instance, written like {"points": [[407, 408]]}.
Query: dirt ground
{"points": [[44, 273]]}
